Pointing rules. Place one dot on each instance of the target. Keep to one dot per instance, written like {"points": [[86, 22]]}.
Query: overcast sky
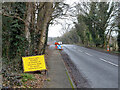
{"points": [[56, 30]]}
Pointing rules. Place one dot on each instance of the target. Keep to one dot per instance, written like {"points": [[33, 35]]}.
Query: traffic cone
{"points": [[61, 47], [108, 48], [56, 46]]}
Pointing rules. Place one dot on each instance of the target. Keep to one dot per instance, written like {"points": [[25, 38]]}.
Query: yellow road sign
{"points": [[34, 63]]}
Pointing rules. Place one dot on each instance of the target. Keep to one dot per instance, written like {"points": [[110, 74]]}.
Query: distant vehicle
{"points": [[60, 42]]}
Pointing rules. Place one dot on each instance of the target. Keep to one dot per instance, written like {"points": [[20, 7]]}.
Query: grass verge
{"points": [[26, 77], [70, 80]]}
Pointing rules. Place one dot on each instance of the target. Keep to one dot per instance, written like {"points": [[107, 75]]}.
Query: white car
{"points": [[60, 43]]}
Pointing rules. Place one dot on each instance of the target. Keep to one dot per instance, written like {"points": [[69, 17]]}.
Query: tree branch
{"points": [[14, 17]]}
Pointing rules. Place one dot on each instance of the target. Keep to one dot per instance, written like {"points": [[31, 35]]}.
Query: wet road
{"points": [[100, 69]]}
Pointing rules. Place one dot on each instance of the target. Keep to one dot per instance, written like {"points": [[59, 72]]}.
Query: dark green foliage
{"points": [[118, 20], [97, 21], [118, 38], [14, 42], [92, 24]]}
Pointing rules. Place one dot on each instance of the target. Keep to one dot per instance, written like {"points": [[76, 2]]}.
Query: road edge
{"points": [[68, 75]]}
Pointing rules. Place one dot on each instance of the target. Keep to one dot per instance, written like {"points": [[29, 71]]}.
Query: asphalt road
{"points": [[100, 69]]}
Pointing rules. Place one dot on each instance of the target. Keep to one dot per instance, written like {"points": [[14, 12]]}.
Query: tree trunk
{"points": [[27, 24], [47, 12], [46, 39], [109, 38], [27, 21], [32, 28]]}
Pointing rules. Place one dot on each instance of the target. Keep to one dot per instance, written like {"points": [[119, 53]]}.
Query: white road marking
{"points": [[88, 54], [74, 47], [80, 50], [108, 62]]}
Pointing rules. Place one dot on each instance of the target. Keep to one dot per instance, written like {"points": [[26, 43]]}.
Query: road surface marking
{"points": [[108, 62], [80, 50], [88, 54], [74, 48]]}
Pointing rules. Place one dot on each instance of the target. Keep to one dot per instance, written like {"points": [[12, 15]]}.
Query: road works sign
{"points": [[34, 63], [59, 47]]}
